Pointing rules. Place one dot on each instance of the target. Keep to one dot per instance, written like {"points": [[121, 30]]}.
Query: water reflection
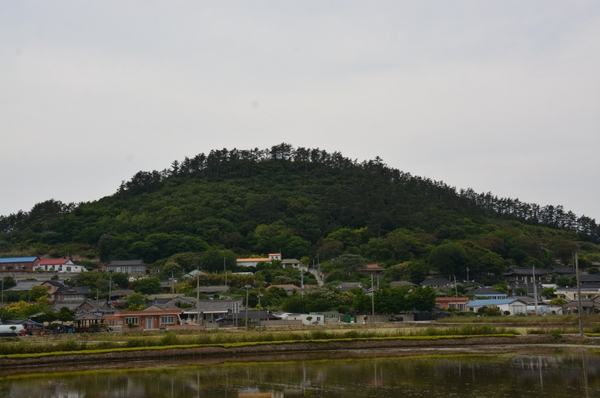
{"points": [[572, 375]]}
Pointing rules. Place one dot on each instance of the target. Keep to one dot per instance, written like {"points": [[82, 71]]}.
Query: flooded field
{"points": [[563, 375]]}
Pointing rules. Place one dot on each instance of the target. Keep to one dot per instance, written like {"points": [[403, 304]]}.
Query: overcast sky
{"points": [[497, 96]]}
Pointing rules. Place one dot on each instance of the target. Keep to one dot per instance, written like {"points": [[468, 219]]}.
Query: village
{"points": [[526, 292]]}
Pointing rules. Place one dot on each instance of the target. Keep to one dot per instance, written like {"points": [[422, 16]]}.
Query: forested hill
{"points": [[298, 201]]}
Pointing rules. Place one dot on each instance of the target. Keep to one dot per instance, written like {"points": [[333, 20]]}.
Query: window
{"points": [[131, 320], [111, 322], [167, 319]]}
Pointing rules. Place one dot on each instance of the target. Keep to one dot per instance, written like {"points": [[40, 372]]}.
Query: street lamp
{"points": [[247, 287]]}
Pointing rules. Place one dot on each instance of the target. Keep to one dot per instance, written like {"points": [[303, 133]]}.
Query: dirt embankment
{"points": [[301, 350]]}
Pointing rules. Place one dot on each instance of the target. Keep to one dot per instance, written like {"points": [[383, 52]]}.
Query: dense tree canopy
{"points": [[204, 211]]}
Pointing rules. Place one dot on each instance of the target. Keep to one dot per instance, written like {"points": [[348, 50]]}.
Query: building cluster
{"points": [[525, 287], [174, 311]]}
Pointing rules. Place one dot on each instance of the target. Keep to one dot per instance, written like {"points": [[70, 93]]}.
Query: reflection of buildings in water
{"points": [[256, 394]]}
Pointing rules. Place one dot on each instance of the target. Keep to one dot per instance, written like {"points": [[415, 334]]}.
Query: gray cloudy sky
{"points": [[498, 96]]}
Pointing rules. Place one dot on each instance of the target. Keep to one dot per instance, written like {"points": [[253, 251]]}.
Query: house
{"points": [[346, 286], [24, 286], [330, 316], [73, 294], [520, 275], [151, 318], [437, 283], [89, 313], [402, 284], [373, 269], [512, 305], [212, 310], [291, 262], [544, 309], [587, 306], [193, 274], [307, 319], [18, 263], [487, 293], [456, 303], [254, 261], [289, 288], [168, 286], [120, 294], [590, 280], [58, 265], [53, 286], [213, 291], [570, 294], [254, 317], [133, 267]]}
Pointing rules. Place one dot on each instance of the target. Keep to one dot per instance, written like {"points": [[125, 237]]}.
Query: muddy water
{"points": [[574, 374]]}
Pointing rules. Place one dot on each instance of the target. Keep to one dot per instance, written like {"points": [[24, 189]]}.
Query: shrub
{"points": [[169, 339]]}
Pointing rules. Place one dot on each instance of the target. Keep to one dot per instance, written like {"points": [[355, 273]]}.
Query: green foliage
{"points": [[302, 202], [8, 282], [38, 291], [563, 281], [558, 301], [548, 292], [135, 302], [65, 315], [150, 285], [449, 259]]}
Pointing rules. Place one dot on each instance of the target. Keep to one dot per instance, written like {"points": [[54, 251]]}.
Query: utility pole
{"points": [[259, 309], [225, 270], [109, 288], [247, 287], [535, 296], [455, 287], [579, 308], [198, 296], [372, 300], [172, 286]]}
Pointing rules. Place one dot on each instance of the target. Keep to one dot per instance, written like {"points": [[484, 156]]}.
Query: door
{"points": [[150, 323]]}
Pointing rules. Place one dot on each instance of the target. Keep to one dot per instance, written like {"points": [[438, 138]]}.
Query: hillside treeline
{"points": [[304, 203]]}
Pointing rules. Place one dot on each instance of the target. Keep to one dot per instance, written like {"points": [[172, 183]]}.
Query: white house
{"points": [[315, 319], [58, 265], [254, 261], [545, 309], [512, 305]]}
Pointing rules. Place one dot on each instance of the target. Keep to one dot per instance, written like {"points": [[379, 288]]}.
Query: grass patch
{"points": [[168, 340]]}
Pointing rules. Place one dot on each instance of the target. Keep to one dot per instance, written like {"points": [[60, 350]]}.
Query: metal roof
{"points": [[480, 303], [18, 259]]}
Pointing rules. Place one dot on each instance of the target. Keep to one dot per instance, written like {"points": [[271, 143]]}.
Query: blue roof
{"points": [[18, 259], [480, 303]]}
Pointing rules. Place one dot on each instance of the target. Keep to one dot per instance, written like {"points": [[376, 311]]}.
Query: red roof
{"points": [[373, 267], [53, 261]]}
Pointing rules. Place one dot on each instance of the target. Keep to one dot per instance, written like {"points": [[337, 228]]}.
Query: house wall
{"points": [[513, 308], [119, 319], [445, 303], [17, 266], [316, 319]]}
